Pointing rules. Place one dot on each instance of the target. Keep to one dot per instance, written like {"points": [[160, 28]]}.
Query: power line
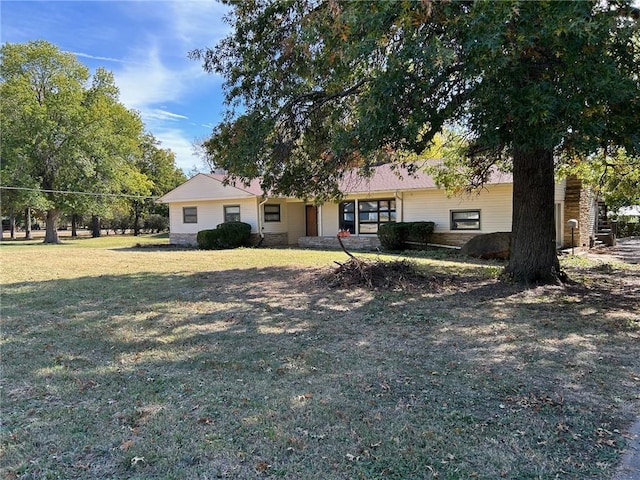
{"points": [[70, 192]]}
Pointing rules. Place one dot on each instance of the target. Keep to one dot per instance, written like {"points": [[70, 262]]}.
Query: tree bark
{"points": [[95, 226], [533, 256], [51, 234], [12, 224], [74, 225], [136, 219], [27, 223]]}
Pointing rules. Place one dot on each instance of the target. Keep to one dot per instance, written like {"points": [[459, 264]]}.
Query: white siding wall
{"points": [[559, 194], [211, 214], [561, 186], [276, 227], [433, 205], [329, 220], [297, 222]]}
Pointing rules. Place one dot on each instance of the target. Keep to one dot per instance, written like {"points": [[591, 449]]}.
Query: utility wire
{"points": [[69, 192]]}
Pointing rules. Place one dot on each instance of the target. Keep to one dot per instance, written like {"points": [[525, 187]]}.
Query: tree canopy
{"points": [[65, 130], [315, 89]]}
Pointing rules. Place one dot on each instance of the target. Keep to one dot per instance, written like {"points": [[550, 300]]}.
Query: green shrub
{"points": [[234, 234], [207, 239], [628, 229], [394, 236], [156, 223], [226, 235], [419, 232]]}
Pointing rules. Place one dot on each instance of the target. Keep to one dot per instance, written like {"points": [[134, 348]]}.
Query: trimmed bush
{"points": [[207, 239], [400, 235], [419, 232], [226, 235], [234, 234], [628, 229], [392, 235]]}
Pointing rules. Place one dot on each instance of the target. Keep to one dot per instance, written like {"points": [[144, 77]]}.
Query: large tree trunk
{"points": [[27, 223], [533, 246], [136, 219], [51, 234], [74, 225], [95, 226]]}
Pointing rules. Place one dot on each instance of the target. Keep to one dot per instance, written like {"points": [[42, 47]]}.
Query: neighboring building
{"points": [[204, 201]]}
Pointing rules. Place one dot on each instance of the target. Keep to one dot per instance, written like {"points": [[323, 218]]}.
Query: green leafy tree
{"points": [[159, 167], [317, 88], [615, 175], [67, 128]]}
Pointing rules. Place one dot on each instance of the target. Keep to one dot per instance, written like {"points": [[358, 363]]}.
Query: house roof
{"points": [[385, 178], [389, 177], [207, 186]]}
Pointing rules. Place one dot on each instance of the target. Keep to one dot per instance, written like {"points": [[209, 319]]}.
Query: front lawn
{"points": [[141, 362]]}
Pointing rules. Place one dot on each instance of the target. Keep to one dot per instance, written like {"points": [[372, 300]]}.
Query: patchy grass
{"points": [[123, 362]]}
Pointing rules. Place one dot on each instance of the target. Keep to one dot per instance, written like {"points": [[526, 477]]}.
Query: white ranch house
{"points": [[204, 201]]}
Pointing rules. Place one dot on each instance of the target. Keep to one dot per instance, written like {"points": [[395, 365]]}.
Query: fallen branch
{"points": [[343, 247]]}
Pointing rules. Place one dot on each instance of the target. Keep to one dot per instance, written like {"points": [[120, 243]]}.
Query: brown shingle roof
{"points": [[385, 178]]}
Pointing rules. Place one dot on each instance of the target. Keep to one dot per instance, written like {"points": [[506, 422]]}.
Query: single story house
{"points": [[204, 201]]}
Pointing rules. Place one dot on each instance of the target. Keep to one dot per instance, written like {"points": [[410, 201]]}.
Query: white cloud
{"points": [[181, 145], [94, 57], [147, 80], [159, 114], [198, 24], [157, 79]]}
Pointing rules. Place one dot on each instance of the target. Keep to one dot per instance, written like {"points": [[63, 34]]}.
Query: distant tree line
{"points": [[64, 130]]}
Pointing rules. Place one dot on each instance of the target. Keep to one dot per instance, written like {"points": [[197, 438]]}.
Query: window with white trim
{"points": [[231, 213], [189, 214], [465, 220], [271, 212]]}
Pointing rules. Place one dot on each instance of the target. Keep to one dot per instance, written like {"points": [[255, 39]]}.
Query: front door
{"points": [[311, 215]]}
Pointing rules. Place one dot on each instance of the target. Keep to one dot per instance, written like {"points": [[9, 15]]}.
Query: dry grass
{"points": [[155, 363]]}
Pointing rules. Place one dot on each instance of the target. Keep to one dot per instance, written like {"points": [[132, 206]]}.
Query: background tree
{"points": [[614, 174], [315, 89], [158, 165], [70, 134]]}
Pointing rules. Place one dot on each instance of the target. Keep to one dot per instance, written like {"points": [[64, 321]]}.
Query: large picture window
{"points": [[189, 214], [348, 216], [231, 213], [272, 212], [371, 214], [465, 220]]}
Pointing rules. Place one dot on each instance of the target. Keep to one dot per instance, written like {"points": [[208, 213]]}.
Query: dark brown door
{"points": [[311, 215]]}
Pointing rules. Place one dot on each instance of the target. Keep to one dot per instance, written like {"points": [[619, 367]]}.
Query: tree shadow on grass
{"points": [[247, 371]]}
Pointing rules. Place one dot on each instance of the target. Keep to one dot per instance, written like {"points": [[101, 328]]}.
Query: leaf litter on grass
{"points": [[269, 373]]}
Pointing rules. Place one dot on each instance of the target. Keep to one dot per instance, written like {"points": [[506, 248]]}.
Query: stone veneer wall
{"points": [[271, 239], [350, 243], [186, 239], [453, 239], [577, 205]]}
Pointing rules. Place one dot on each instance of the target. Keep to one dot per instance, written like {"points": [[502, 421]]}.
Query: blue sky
{"points": [[145, 44]]}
